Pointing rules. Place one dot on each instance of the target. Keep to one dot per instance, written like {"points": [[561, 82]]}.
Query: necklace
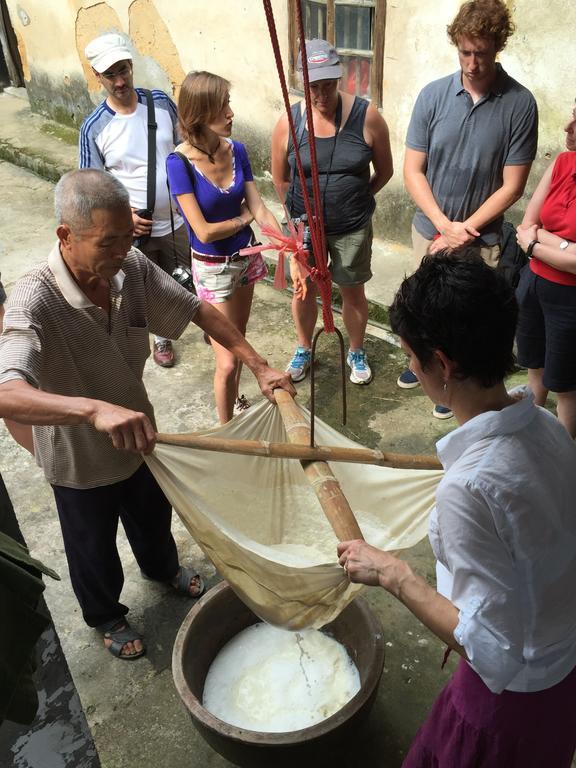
{"points": [[209, 154]]}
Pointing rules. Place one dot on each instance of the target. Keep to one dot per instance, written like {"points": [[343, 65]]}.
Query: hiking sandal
{"points": [[183, 579], [120, 632]]}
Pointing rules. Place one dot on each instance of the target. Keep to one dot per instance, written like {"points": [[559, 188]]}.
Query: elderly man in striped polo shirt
{"points": [[72, 355]]}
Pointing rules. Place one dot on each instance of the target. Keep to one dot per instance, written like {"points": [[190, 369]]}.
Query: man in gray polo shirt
{"points": [[72, 355], [471, 141]]}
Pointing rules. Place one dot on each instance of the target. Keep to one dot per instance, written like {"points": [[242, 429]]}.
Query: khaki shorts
{"points": [[420, 245], [349, 256]]}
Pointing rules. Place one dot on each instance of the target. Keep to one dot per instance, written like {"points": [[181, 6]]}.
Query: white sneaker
{"points": [[407, 380], [360, 372], [441, 412], [300, 364]]}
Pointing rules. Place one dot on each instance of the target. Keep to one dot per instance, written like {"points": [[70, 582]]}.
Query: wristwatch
{"points": [[563, 245], [530, 248]]}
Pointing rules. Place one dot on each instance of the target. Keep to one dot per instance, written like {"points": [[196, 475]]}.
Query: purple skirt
{"points": [[471, 727]]}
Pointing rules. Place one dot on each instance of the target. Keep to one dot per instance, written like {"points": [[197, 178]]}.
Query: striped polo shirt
{"points": [[58, 341]]}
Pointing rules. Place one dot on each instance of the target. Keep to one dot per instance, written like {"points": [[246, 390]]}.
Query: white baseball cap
{"points": [[107, 50]]}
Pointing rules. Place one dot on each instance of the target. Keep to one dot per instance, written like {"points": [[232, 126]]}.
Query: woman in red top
{"points": [[546, 293]]}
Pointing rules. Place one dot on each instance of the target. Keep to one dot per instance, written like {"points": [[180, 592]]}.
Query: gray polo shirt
{"points": [[467, 145], [57, 340]]}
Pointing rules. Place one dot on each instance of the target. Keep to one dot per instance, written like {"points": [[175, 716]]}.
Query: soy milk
{"points": [[268, 679]]}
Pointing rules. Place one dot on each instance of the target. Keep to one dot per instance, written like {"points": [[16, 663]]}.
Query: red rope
{"points": [[311, 137], [320, 273]]}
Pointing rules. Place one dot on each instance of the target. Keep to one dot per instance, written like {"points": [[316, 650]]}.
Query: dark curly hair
{"points": [[486, 19], [458, 304]]}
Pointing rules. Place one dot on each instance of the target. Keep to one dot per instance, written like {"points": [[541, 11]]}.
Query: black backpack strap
{"points": [[188, 166], [512, 257], [151, 176], [299, 119], [190, 173]]}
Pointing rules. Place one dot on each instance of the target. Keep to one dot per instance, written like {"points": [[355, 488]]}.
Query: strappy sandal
{"points": [[120, 632], [183, 579]]}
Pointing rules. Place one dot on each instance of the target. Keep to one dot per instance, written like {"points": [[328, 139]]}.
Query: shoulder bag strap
{"points": [[151, 177], [301, 127], [337, 126], [190, 173], [300, 116]]}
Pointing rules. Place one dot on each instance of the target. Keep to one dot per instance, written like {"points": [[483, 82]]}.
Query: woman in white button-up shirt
{"points": [[503, 532]]}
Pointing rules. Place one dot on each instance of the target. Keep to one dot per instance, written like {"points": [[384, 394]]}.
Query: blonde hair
{"points": [[484, 19], [202, 97]]}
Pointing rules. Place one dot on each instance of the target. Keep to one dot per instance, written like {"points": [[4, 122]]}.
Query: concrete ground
{"points": [[133, 709]]}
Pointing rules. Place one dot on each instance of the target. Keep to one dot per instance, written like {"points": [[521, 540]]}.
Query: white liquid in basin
{"points": [[272, 680]]}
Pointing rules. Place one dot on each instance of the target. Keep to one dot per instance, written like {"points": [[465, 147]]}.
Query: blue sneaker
{"points": [[407, 380], [300, 364], [360, 372], [441, 412]]}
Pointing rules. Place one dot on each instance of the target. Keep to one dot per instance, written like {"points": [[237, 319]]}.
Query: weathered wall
{"points": [[171, 37]]}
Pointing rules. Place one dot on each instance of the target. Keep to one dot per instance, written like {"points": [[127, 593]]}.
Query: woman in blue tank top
{"points": [[211, 181], [350, 136]]}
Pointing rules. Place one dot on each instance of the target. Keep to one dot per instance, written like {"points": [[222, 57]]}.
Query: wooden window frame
{"points": [[379, 35]]}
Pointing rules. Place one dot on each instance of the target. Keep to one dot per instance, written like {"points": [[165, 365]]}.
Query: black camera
{"points": [[306, 235], [307, 239], [183, 277], [144, 213]]}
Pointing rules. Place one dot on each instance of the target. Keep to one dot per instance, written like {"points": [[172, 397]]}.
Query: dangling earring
{"points": [[445, 387]]}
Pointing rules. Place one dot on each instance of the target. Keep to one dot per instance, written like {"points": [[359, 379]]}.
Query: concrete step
{"points": [[34, 142]]}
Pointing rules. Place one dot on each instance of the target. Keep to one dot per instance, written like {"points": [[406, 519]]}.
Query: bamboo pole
{"points": [[319, 474], [301, 452]]}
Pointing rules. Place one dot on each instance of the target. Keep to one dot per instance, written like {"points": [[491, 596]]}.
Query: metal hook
{"points": [[312, 387]]}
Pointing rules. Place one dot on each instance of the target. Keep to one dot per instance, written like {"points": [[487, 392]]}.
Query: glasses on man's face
{"points": [[112, 74]]}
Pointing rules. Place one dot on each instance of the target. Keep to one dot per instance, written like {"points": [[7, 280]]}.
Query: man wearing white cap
{"points": [[114, 138]]}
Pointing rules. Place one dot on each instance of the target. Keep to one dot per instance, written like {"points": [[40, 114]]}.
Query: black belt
{"points": [[218, 259]]}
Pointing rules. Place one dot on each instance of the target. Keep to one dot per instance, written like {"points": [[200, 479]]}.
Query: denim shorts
{"points": [[216, 283], [546, 332]]}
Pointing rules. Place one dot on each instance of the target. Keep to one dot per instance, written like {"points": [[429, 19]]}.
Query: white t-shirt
{"points": [[119, 144]]}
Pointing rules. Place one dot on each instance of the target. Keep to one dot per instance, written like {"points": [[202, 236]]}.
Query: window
{"points": [[356, 28]]}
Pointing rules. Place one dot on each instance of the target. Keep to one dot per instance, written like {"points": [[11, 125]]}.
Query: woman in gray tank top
{"points": [[350, 135]]}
